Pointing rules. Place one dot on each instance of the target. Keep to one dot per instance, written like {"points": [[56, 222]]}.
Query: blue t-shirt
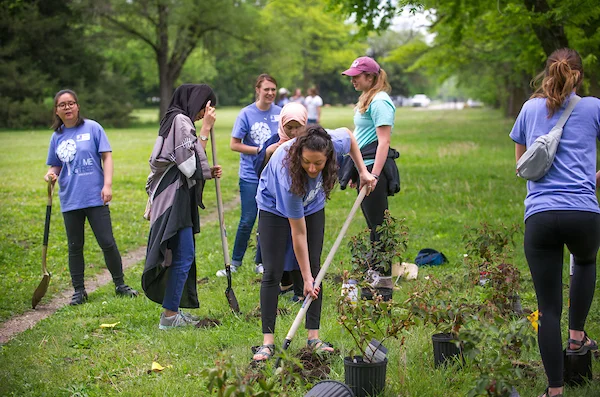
{"points": [[254, 127], [570, 184], [78, 151], [381, 111], [274, 193]]}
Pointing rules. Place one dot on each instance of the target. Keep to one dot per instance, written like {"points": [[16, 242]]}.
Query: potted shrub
{"points": [[489, 250], [437, 303], [377, 257], [370, 323]]}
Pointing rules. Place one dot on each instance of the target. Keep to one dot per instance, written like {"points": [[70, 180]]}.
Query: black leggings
{"points": [[274, 233], [546, 234], [374, 206], [99, 219]]}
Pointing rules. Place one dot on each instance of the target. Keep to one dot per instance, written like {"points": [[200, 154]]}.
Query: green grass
{"points": [[456, 170]]}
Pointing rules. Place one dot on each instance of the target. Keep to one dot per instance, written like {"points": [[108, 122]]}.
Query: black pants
{"points": [[99, 219], [546, 234], [374, 206], [274, 232]]}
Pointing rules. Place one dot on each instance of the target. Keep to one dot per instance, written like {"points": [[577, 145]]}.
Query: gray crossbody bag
{"points": [[538, 158]]}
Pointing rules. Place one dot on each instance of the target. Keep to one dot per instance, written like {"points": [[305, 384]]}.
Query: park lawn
{"points": [[457, 170]]}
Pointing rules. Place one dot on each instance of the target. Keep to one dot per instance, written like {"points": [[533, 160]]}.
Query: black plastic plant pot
{"points": [[386, 293], [365, 379], [578, 369], [445, 349], [330, 388]]}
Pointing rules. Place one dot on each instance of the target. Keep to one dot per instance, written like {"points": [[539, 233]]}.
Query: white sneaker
{"points": [[223, 272], [259, 269]]}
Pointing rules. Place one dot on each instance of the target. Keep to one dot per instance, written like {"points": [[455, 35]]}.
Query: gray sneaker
{"points": [[189, 317], [175, 321], [259, 268], [223, 272]]}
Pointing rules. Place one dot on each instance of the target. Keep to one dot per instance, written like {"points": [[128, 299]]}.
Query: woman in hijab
{"points": [[178, 170], [292, 119]]}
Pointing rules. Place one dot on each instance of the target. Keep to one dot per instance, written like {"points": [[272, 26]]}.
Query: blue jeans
{"points": [[249, 212], [182, 247]]}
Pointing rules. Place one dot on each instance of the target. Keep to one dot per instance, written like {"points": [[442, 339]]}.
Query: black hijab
{"points": [[188, 99]]}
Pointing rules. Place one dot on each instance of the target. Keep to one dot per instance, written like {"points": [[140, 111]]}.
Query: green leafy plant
{"points": [[379, 255], [488, 260], [226, 380], [372, 319], [495, 347], [438, 303]]}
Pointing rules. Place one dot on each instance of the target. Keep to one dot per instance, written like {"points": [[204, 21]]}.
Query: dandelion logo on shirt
{"points": [[260, 132], [66, 152], [313, 193]]}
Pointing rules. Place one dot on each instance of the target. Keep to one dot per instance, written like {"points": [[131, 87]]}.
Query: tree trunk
{"points": [[518, 94], [162, 54], [551, 35]]}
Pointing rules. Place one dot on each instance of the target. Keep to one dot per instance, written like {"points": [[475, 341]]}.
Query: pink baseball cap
{"points": [[362, 64]]}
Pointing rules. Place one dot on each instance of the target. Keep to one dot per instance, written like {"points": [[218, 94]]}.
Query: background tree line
{"points": [[118, 54]]}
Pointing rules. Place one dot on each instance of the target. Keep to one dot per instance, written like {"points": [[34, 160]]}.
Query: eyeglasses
{"points": [[64, 105]]}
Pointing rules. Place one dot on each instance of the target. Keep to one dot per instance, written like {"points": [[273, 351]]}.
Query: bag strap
{"points": [[565, 116]]}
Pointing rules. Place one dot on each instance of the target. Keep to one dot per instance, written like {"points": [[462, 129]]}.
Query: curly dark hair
{"points": [[317, 139]]}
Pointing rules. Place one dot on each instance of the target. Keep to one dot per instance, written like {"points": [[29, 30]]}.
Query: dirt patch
{"points": [[208, 322], [30, 318], [315, 366]]}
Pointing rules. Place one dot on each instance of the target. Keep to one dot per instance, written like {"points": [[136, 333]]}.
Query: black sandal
{"points": [[583, 346], [266, 351], [317, 345], [547, 393]]}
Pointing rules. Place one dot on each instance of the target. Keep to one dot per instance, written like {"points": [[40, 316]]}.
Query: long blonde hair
{"points": [[562, 75], [380, 83]]}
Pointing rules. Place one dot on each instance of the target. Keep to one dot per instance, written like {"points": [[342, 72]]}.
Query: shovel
{"points": [[308, 299], [40, 291], [229, 294]]}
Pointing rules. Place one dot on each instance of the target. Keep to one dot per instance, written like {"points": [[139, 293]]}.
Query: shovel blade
{"points": [[232, 300], [40, 291]]}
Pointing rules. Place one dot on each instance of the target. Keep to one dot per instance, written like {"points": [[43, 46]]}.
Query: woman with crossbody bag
{"points": [[561, 209]]}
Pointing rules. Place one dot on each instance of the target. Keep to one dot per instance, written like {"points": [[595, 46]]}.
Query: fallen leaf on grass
{"points": [[109, 325], [156, 367]]}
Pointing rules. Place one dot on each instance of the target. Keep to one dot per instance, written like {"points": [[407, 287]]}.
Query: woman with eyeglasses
{"points": [[373, 121], [80, 157]]}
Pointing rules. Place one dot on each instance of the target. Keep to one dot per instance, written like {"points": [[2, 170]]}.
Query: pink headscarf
{"points": [[291, 111]]}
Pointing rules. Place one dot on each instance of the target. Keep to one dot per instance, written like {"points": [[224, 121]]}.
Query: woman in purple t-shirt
{"points": [[291, 199], [561, 209], [255, 124], [80, 157]]}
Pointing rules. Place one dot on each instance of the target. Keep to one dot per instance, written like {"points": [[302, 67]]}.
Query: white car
{"points": [[420, 100]]}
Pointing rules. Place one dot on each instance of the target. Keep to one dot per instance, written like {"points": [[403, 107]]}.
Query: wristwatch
{"points": [[203, 138]]}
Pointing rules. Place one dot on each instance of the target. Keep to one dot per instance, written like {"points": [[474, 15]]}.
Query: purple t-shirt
{"points": [[254, 127], [274, 194], [78, 151], [570, 184]]}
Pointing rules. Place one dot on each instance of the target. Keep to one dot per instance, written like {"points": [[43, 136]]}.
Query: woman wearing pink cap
{"points": [[374, 120]]}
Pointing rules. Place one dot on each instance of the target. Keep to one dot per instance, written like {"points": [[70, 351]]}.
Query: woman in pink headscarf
{"points": [[292, 120]]}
